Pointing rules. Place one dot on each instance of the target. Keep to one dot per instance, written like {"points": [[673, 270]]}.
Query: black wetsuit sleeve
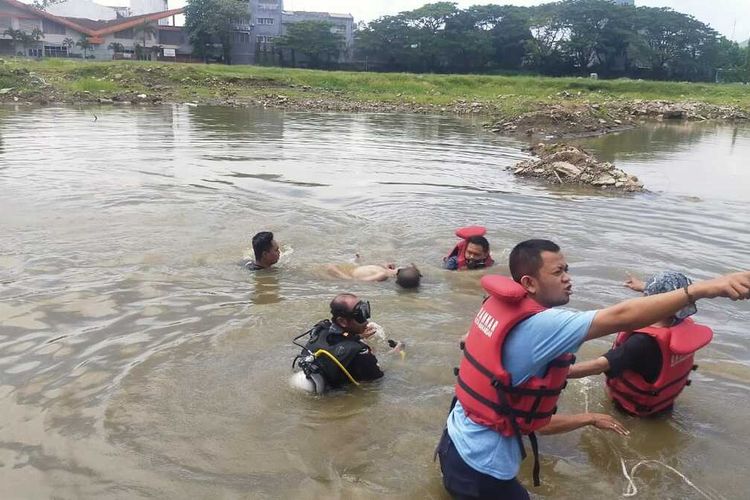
{"points": [[364, 367], [639, 353]]}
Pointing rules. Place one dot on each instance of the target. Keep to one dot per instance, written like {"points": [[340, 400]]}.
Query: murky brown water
{"points": [[138, 361]]}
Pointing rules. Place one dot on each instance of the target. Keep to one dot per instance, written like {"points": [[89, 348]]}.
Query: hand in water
{"points": [[607, 423], [397, 347], [634, 283]]}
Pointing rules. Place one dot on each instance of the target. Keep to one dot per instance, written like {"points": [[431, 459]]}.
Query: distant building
{"points": [[255, 41], [58, 32], [257, 36], [341, 24], [253, 38], [88, 9], [624, 2]]}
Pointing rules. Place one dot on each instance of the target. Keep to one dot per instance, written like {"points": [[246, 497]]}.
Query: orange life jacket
{"points": [[485, 389], [678, 345], [459, 251]]}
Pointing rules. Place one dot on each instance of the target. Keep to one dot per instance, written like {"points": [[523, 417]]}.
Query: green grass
{"points": [[508, 94], [89, 84]]}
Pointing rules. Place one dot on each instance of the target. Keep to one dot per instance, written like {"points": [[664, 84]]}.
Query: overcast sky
{"points": [[720, 14], [729, 17]]}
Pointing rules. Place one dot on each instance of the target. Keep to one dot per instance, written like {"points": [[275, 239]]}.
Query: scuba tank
{"points": [[324, 358]]}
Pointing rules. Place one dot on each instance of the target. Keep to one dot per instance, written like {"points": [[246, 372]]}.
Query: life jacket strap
{"points": [[504, 408], [656, 392], [529, 392], [537, 466]]}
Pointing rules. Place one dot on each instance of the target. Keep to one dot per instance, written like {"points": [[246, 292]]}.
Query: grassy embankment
{"points": [[69, 80]]}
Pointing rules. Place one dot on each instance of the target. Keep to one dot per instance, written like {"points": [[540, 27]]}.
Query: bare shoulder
{"points": [[343, 271]]}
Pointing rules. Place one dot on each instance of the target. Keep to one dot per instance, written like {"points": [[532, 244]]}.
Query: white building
{"points": [[61, 36], [88, 9]]}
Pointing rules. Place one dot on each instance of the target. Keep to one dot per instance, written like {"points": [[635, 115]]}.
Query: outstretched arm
{"points": [[637, 313], [566, 423], [588, 368]]}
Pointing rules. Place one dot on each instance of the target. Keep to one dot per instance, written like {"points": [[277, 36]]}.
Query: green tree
{"points": [[387, 43], [208, 22], [429, 23], [599, 34], [315, 40], [672, 45], [68, 43], [85, 44], [116, 47], [25, 40], [145, 31]]}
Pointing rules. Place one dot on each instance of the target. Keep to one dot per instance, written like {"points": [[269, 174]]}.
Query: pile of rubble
{"points": [[665, 110], [571, 165]]}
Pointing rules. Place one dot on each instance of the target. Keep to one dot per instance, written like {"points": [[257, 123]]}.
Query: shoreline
{"points": [[550, 109]]}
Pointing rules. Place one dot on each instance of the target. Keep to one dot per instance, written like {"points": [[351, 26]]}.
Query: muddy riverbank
{"points": [[526, 106]]}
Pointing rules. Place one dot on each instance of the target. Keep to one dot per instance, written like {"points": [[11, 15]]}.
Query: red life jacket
{"points": [[486, 390], [678, 345], [459, 250]]}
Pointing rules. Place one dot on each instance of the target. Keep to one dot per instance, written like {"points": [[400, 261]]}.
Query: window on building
{"points": [[241, 23], [264, 39], [28, 25], [35, 52], [52, 28], [241, 38], [125, 34], [268, 6], [168, 37], [265, 20], [55, 51]]}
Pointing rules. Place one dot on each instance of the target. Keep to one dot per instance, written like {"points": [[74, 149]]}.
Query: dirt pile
{"points": [[567, 119], [572, 165]]}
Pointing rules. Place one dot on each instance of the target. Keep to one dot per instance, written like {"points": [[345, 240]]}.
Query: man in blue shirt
{"points": [[478, 462]]}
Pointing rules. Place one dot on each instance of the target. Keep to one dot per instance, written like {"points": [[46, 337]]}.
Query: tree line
{"points": [[570, 37]]}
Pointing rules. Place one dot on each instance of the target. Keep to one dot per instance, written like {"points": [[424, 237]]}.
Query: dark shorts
{"points": [[463, 482]]}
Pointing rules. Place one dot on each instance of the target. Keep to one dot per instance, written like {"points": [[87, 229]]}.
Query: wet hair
{"points": [[526, 258], [262, 242], [481, 241], [408, 277], [339, 306]]}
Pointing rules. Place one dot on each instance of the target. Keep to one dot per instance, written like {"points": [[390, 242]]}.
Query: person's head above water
{"points": [[350, 313], [664, 282], [408, 277], [540, 267], [266, 249], [477, 251]]}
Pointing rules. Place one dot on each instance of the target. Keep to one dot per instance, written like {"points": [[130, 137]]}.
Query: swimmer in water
{"points": [[406, 277]]}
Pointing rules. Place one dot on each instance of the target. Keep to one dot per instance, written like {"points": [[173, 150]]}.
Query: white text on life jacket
{"points": [[485, 322]]}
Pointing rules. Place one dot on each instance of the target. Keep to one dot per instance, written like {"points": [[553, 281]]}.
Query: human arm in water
{"points": [[637, 313], [560, 424], [634, 283]]}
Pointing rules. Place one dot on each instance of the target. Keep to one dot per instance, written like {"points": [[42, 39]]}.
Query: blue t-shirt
{"points": [[527, 351]]}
